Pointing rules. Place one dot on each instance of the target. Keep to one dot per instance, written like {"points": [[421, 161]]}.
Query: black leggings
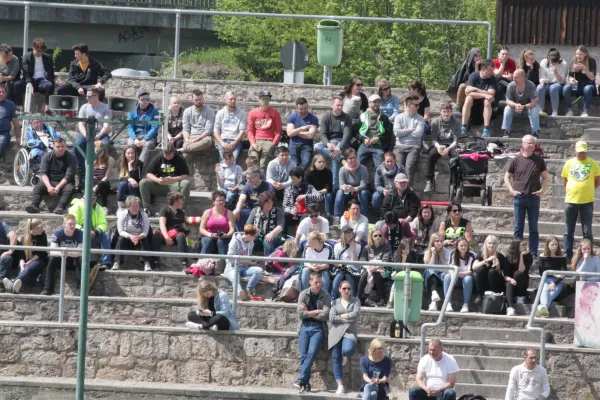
{"points": [[491, 279], [435, 283], [379, 285], [180, 241], [219, 320], [520, 289], [103, 192]]}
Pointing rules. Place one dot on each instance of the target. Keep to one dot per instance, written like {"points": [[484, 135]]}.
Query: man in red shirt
{"points": [[504, 68], [264, 130]]}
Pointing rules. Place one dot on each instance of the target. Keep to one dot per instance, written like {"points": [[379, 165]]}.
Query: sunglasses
{"points": [[145, 99], [90, 96], [345, 288], [386, 88], [314, 215], [456, 211], [265, 98], [437, 241], [376, 235], [359, 84]]}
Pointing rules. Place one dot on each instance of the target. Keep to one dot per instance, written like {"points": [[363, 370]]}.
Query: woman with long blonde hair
{"points": [[376, 368], [531, 67], [433, 278], [581, 80], [488, 268], [213, 311]]}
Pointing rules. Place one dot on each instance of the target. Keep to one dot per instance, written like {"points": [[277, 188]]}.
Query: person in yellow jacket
{"points": [[99, 232]]}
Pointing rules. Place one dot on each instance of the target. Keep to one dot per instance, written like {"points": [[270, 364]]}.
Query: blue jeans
{"points": [[29, 275], [416, 393], [305, 277], [533, 114], [81, 142], [586, 88], [344, 348], [301, 153], [236, 150], [5, 265], [375, 152], [548, 296], [337, 281], [377, 201], [125, 189], [529, 204], [329, 199], [467, 284], [40, 85], [244, 214], [255, 273], [4, 142], [341, 198], [208, 245], [335, 162], [586, 213], [104, 240], [309, 340], [371, 392], [555, 89]]}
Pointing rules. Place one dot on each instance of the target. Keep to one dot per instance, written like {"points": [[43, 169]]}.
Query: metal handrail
{"points": [[541, 329]]}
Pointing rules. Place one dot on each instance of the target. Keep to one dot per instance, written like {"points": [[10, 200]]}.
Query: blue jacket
{"points": [[149, 131], [222, 307], [34, 142]]}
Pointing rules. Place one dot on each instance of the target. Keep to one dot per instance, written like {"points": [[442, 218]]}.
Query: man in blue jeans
{"points": [[301, 129], [375, 133], [436, 375], [523, 181], [313, 311], [581, 176], [8, 115]]}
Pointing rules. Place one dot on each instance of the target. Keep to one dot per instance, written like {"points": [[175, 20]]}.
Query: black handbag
{"points": [[493, 303]]}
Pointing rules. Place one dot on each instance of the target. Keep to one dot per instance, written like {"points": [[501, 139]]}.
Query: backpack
{"points": [[471, 397], [287, 288]]}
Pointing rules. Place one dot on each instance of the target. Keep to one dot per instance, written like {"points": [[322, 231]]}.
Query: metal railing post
{"points": [[489, 40], [61, 296], [26, 29], [177, 38], [236, 282], [407, 294]]}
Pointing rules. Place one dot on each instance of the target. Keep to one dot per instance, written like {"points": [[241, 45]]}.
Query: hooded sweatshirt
{"points": [[230, 124], [462, 74], [134, 131], [277, 172], [237, 247], [198, 121], [384, 177], [231, 176], [405, 138], [446, 131]]}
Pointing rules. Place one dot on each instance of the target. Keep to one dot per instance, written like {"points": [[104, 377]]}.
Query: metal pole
{"points": [[236, 282], [26, 29], [407, 295], [90, 155], [177, 37], [489, 40], [294, 62], [327, 76], [61, 297], [167, 115]]}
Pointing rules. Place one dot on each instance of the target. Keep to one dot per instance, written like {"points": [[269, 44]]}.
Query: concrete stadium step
{"points": [[558, 229], [554, 148], [499, 334], [478, 377], [255, 315], [487, 363]]}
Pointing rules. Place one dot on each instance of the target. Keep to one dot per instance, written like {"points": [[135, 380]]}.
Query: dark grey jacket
{"points": [[338, 328], [323, 303]]}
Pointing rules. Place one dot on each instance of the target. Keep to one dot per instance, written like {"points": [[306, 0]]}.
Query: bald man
{"points": [[521, 99]]}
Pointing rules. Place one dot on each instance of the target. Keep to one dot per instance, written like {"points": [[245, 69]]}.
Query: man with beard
{"points": [[446, 130]]}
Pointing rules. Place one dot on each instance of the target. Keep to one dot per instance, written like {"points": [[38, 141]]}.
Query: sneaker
{"points": [[520, 299], [535, 134], [505, 133], [543, 114], [478, 299], [510, 312], [344, 361], [192, 325], [449, 308], [298, 385], [335, 221], [555, 114], [214, 328], [147, 267], [104, 267], [428, 187], [59, 211], [463, 131], [433, 306], [148, 212], [389, 305], [116, 266], [569, 113], [8, 285], [47, 292], [243, 295], [251, 293], [340, 390], [485, 132], [17, 286], [585, 113], [370, 303], [435, 297], [465, 308], [307, 388], [542, 311], [31, 209]]}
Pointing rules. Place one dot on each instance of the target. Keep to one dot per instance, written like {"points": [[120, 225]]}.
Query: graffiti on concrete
{"points": [[132, 34]]}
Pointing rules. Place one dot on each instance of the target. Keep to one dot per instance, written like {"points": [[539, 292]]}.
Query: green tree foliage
{"points": [[400, 52]]}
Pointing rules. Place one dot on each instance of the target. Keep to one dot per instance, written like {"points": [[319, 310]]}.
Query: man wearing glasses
{"points": [[264, 130], [100, 110], [143, 136], [409, 128]]}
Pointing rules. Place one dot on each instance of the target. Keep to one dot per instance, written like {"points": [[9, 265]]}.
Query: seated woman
{"points": [[175, 122], [463, 258], [130, 175], [417, 88], [269, 220], [376, 369], [318, 250], [372, 276], [172, 229], [358, 222], [32, 263], [455, 226], [553, 76], [217, 226], [552, 259], [423, 227], [354, 178], [516, 274], [586, 260], [103, 166], [242, 244], [229, 178], [343, 330], [345, 249], [488, 268], [214, 311], [384, 179], [531, 67], [288, 250], [405, 254], [581, 81], [297, 197], [133, 226], [313, 223], [390, 105], [321, 178], [436, 254]]}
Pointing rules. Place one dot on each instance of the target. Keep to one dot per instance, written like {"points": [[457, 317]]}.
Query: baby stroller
{"points": [[468, 172]]}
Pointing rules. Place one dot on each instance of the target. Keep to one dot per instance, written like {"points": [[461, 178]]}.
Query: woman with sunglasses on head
{"points": [[390, 105], [433, 279], [463, 258], [320, 251], [516, 274], [417, 88], [553, 285], [321, 178], [455, 226], [372, 276], [343, 330], [355, 101], [346, 249], [488, 268]]}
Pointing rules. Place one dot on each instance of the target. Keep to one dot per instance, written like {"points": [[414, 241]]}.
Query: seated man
{"points": [[229, 178], [93, 108], [528, 381], [278, 171], [297, 197], [38, 69], [81, 80], [480, 92], [402, 200], [99, 231], [198, 122], [7, 237], [40, 139], [167, 172], [10, 70], [375, 133], [8, 116], [302, 127], [521, 99], [230, 126], [436, 375], [57, 170], [249, 196], [143, 136], [445, 130]]}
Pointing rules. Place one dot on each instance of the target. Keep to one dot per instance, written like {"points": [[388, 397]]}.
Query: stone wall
{"points": [[243, 358]]}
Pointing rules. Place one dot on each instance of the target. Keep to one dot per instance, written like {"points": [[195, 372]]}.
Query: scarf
{"points": [[423, 231], [136, 220], [266, 222]]}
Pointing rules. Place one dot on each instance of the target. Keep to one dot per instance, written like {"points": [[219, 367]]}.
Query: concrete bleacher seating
{"points": [[137, 345]]}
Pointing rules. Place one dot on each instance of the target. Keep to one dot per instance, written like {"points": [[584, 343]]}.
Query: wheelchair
{"points": [[25, 168]]}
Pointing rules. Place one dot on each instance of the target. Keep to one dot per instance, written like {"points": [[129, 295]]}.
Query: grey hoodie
{"points": [[280, 173], [197, 122], [406, 139], [231, 176], [446, 132], [237, 247], [230, 124]]}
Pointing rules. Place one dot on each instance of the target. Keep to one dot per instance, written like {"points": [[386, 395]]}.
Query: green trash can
{"points": [[416, 296], [330, 38]]}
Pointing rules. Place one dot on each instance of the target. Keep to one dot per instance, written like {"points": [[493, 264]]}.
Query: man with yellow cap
{"points": [[581, 176]]}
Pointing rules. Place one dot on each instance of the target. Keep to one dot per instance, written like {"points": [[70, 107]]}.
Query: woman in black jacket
{"points": [[377, 250], [130, 175]]}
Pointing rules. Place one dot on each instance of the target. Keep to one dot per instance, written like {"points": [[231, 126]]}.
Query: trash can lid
{"points": [[414, 276], [329, 24]]}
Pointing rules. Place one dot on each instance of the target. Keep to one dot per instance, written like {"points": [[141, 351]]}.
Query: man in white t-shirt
{"points": [[312, 222], [436, 375], [528, 381]]}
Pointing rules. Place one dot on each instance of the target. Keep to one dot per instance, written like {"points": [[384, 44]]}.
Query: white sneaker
{"points": [[17, 286], [569, 113], [214, 328], [147, 267], [510, 312], [8, 285], [435, 296], [428, 187], [465, 308], [449, 308], [340, 390], [344, 362], [116, 266], [584, 113], [542, 311], [433, 306], [555, 114], [192, 325], [520, 299]]}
